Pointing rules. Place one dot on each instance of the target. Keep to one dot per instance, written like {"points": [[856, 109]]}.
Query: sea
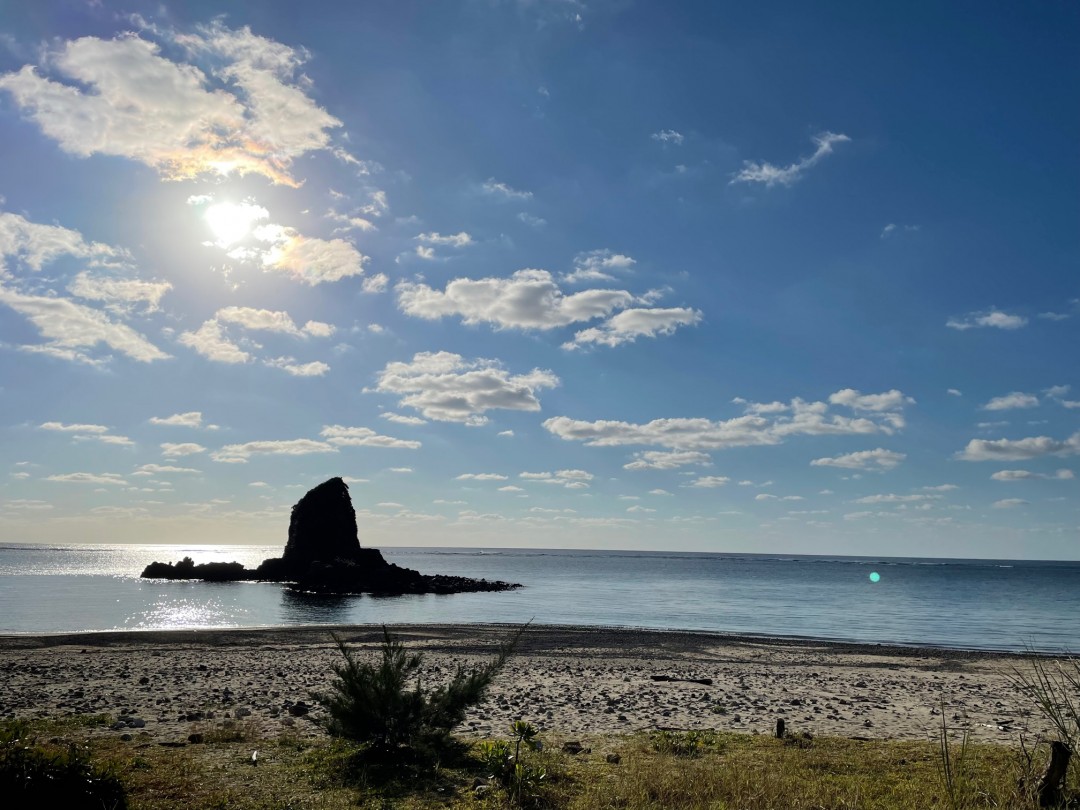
{"points": [[967, 604]]}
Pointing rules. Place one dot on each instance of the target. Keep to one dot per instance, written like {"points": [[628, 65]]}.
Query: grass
{"points": [[674, 770]]}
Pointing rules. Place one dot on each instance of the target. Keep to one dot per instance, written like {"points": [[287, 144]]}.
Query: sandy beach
{"points": [[569, 681]]}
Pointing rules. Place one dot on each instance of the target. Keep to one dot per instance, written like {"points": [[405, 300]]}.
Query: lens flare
{"points": [[874, 576]]}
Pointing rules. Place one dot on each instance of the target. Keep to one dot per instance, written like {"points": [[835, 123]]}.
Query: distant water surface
{"points": [[982, 604]]}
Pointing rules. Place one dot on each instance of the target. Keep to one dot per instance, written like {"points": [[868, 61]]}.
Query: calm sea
{"points": [[987, 604]]}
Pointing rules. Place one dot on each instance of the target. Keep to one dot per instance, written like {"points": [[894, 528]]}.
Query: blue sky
{"points": [[546, 273]]}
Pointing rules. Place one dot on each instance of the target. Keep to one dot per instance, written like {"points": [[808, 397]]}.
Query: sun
{"points": [[231, 222]]}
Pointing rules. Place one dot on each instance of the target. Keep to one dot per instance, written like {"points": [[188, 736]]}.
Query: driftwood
{"points": [[1049, 786], [702, 681]]}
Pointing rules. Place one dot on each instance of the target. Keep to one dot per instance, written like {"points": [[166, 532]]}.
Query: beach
{"points": [[567, 681]]}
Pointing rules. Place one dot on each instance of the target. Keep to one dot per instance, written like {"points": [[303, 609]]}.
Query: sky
{"points": [[699, 276]]}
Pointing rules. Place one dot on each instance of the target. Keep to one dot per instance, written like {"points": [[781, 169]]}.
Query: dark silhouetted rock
{"points": [[323, 555]]}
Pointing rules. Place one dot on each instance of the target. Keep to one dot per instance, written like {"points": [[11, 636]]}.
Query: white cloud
{"points": [[1057, 391], [531, 221], [1026, 475], [126, 99], [640, 509], [661, 460], [1009, 503], [890, 498], [342, 436], [630, 324], [1019, 449], [710, 481], [879, 459], [426, 253], [771, 175], [240, 453], [211, 342], [506, 433], [888, 401], [989, 318], [954, 392], [191, 419], [77, 428], [36, 245], [1016, 399], [480, 477], [315, 368], [528, 299], [668, 136], [319, 329], [402, 419], [503, 191], [798, 418], [570, 479], [308, 259], [457, 240], [942, 488], [376, 283], [892, 228], [87, 478], [71, 327], [511, 488], [445, 387], [1054, 316], [159, 469], [265, 319], [598, 265], [659, 492], [119, 293], [399, 469], [764, 496], [173, 450]]}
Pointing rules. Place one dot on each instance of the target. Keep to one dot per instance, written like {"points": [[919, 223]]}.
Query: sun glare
{"points": [[231, 222]]}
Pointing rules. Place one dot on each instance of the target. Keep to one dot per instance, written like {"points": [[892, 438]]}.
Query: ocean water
{"points": [[979, 604]]}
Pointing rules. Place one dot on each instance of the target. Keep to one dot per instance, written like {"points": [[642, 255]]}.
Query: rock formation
{"points": [[323, 555]]}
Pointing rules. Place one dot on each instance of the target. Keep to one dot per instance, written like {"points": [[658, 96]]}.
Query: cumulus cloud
{"points": [[888, 401], [1019, 449], [240, 453], [70, 329], [160, 469], [122, 97], [251, 318], [480, 477], [1016, 399], [668, 136], [630, 324], [661, 460], [570, 479], [502, 191], [119, 293], [342, 436], [376, 283], [598, 265], [891, 498], [769, 427], [1009, 503], [989, 318], [528, 299], [710, 481], [176, 449], [191, 419], [402, 419], [316, 368], [457, 240], [308, 259], [87, 478], [35, 245], [879, 459], [210, 341], [770, 175], [76, 428], [448, 388], [1027, 475]]}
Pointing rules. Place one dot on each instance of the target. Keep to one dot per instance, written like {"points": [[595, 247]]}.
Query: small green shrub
{"points": [[53, 776], [373, 704]]}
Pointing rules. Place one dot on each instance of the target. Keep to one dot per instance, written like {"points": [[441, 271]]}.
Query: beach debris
{"points": [[255, 757], [574, 747]]}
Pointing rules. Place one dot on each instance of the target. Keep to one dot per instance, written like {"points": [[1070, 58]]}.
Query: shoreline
{"points": [[565, 680]]}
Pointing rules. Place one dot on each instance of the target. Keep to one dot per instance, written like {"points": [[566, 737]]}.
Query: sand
{"points": [[568, 681]]}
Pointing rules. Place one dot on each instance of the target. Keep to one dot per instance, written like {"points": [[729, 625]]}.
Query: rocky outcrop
{"points": [[323, 555]]}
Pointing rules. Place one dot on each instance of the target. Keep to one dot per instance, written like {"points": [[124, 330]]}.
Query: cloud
{"points": [[457, 240], [35, 245], [1016, 399], [1026, 475], [447, 388], [240, 453], [879, 459], [630, 324], [597, 265], [315, 368], [480, 477], [570, 479], [954, 392], [506, 433], [70, 328], [797, 418], [495, 189], [265, 319], [710, 481], [119, 293], [1008, 503], [319, 329], [123, 98], [402, 419], [889, 401], [376, 283], [528, 299], [426, 253], [660, 460], [308, 259], [659, 492], [989, 318], [771, 175], [174, 450], [159, 469], [191, 419], [1054, 316], [668, 136], [342, 436], [531, 221], [892, 228], [1019, 449], [61, 427], [210, 341], [764, 496], [87, 478], [890, 498]]}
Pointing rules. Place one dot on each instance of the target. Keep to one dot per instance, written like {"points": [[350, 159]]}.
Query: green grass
{"points": [[673, 770]]}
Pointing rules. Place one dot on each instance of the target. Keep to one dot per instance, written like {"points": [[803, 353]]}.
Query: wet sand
{"points": [[568, 681]]}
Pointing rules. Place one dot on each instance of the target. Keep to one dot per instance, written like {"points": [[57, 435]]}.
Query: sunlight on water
{"points": [[172, 614]]}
